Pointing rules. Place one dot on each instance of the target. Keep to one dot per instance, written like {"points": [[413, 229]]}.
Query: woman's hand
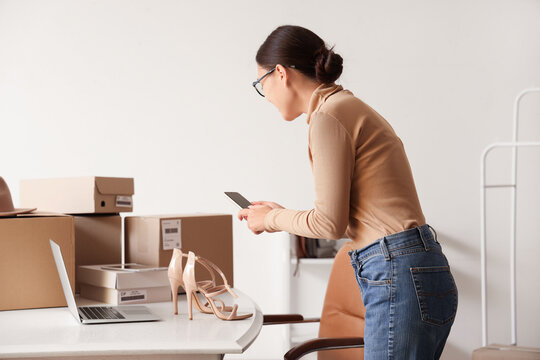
{"points": [[256, 213], [270, 204]]}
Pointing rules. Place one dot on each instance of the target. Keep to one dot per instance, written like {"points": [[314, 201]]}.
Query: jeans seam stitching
{"points": [[369, 256], [406, 245], [416, 251], [392, 311]]}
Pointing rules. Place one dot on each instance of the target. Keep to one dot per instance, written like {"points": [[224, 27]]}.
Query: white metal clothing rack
{"points": [[514, 145]]}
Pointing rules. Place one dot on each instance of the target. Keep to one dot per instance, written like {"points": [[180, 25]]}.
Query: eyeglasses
{"points": [[258, 85]]}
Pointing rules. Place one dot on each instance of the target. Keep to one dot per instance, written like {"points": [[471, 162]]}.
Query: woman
{"points": [[365, 190]]}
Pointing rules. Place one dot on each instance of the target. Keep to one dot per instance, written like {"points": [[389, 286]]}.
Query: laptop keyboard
{"points": [[100, 312]]}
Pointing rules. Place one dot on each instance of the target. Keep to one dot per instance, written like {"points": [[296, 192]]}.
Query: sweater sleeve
{"points": [[332, 155]]}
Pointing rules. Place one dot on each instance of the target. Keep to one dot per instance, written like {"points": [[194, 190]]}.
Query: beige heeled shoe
{"points": [[191, 286], [175, 272]]}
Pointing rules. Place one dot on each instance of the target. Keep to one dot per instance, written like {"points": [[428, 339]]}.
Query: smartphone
{"points": [[238, 199]]}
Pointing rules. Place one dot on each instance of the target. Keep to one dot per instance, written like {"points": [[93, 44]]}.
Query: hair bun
{"points": [[328, 65], [301, 47]]}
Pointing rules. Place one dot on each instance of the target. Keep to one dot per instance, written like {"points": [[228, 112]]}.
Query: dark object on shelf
{"points": [[314, 248]]}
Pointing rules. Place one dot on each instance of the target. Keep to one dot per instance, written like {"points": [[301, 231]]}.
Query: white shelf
{"points": [[313, 261]]}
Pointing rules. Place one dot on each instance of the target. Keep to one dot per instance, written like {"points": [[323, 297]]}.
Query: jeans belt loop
{"points": [[434, 233], [424, 241], [354, 259], [384, 248]]}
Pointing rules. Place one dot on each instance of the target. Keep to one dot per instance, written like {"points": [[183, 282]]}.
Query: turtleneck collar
{"points": [[319, 96]]}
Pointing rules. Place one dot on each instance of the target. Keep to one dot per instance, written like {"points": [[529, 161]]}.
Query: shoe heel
{"points": [[190, 285], [175, 283], [189, 297], [175, 275]]}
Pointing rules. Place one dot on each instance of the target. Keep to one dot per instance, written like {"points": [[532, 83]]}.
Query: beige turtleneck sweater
{"points": [[364, 186]]}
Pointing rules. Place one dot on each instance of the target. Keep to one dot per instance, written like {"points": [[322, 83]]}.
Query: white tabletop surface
{"points": [[54, 332]]}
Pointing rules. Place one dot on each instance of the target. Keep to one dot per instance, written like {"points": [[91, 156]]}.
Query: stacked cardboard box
{"points": [[95, 204], [151, 239], [98, 240], [28, 275], [79, 195]]}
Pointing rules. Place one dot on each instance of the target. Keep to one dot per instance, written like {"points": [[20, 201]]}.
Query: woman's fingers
{"points": [[243, 214], [255, 214]]}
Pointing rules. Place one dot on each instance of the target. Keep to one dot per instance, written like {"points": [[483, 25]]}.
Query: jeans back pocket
{"points": [[436, 293]]}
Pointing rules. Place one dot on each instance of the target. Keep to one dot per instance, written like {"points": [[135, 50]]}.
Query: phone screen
{"points": [[238, 199]]}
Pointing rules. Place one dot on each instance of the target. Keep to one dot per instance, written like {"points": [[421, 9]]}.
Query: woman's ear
{"points": [[283, 74]]}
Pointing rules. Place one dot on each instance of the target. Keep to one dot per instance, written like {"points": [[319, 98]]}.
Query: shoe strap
{"points": [[205, 284], [208, 263], [232, 315], [215, 291], [221, 307], [207, 267]]}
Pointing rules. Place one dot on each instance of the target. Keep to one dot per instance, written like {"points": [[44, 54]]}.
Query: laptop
{"points": [[97, 314]]}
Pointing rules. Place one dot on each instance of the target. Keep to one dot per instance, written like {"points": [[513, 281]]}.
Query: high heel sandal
{"points": [[209, 292], [175, 272]]}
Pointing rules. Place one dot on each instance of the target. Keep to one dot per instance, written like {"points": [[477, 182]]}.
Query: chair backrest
{"points": [[343, 311]]}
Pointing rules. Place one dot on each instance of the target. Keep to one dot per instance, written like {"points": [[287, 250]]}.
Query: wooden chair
{"points": [[342, 320]]}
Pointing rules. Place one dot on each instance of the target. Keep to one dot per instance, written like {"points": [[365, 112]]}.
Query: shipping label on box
{"points": [[129, 296], [171, 233], [124, 201]]}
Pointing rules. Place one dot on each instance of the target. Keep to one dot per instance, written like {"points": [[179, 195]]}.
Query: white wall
{"points": [[161, 91]]}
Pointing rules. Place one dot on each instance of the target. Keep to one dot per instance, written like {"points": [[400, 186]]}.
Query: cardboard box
{"points": [[79, 195], [119, 287], [28, 275], [503, 352], [150, 240], [98, 240]]}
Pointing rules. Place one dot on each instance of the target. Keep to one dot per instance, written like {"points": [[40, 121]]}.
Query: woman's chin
{"points": [[290, 117]]}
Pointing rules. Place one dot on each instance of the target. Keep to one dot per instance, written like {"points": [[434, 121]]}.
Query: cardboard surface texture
{"points": [[28, 275], [123, 287], [150, 240], [79, 195], [98, 240]]}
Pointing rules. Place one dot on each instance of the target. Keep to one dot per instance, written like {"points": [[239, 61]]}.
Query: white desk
{"points": [[52, 333]]}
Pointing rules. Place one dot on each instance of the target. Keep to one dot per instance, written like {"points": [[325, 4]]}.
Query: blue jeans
{"points": [[409, 294]]}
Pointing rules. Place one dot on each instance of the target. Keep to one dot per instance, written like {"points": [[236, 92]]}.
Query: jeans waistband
{"points": [[421, 235]]}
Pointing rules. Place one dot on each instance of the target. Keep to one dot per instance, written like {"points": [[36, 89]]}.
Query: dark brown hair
{"points": [[294, 45]]}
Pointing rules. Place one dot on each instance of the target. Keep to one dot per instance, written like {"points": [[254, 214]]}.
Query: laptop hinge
{"points": [[81, 315]]}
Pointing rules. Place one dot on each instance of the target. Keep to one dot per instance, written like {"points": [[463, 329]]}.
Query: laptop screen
{"points": [[64, 279]]}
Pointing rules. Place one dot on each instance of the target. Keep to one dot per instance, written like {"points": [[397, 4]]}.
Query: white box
{"points": [[120, 287]]}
